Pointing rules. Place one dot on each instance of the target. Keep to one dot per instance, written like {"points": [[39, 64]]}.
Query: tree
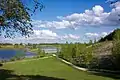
{"points": [[34, 46], [116, 35], [16, 45], [15, 17], [73, 52], [41, 53], [21, 44], [90, 42]]}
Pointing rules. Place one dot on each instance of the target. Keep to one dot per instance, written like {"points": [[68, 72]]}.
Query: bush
{"points": [[103, 62], [13, 59], [116, 53]]}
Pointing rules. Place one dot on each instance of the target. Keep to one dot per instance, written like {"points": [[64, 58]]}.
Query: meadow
{"points": [[47, 69]]}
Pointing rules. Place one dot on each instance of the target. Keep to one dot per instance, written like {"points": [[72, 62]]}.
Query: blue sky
{"points": [[54, 8], [72, 21]]}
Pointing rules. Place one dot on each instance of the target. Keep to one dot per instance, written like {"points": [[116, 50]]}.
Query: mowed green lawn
{"points": [[46, 69]]}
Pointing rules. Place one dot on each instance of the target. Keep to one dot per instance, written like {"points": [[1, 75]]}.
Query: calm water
{"points": [[8, 54], [49, 49]]}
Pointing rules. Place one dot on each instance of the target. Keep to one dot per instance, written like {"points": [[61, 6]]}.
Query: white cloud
{"points": [[94, 17], [41, 36], [97, 10], [44, 33], [96, 35], [103, 34], [52, 24], [91, 34], [110, 1], [71, 36], [117, 4]]}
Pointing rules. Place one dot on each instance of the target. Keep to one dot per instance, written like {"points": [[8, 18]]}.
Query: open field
{"points": [[46, 69]]}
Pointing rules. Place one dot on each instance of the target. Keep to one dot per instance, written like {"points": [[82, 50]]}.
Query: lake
{"points": [[49, 49], [6, 54]]}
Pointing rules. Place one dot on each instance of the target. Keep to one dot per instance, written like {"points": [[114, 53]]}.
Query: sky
{"points": [[72, 21]]}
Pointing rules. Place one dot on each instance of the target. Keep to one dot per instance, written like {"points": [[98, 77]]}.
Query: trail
{"points": [[27, 60]]}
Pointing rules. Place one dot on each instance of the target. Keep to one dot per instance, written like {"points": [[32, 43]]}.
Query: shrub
{"points": [[116, 53]]}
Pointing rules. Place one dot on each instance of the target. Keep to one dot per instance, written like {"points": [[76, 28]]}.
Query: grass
{"points": [[11, 47], [34, 50], [46, 69]]}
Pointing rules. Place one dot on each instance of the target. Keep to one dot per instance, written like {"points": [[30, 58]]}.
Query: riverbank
{"points": [[27, 59]]}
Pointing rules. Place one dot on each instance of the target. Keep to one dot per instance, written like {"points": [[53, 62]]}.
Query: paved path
{"points": [[72, 65]]}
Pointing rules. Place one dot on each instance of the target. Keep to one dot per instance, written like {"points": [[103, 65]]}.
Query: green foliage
{"points": [[16, 45], [13, 59], [117, 34], [15, 17], [21, 44], [90, 42], [34, 46], [41, 53], [76, 53], [116, 53]]}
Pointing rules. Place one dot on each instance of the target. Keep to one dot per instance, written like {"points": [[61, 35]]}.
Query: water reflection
{"points": [[49, 49], [7, 54]]}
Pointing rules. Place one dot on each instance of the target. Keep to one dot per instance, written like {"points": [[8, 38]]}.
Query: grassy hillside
{"points": [[47, 69], [103, 48]]}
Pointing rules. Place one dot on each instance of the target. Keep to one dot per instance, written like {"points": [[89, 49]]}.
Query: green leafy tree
{"points": [[77, 53], [21, 44], [34, 46], [16, 46], [15, 17], [41, 53], [73, 52], [116, 34], [90, 42]]}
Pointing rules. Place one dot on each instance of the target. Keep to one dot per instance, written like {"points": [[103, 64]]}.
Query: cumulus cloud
{"points": [[96, 35], [45, 33], [52, 24], [110, 1], [71, 36], [41, 36], [91, 34], [98, 10], [93, 17]]}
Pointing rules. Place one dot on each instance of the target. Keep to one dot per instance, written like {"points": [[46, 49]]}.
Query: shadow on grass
{"points": [[1, 64], [8, 75], [105, 74], [105, 66]]}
